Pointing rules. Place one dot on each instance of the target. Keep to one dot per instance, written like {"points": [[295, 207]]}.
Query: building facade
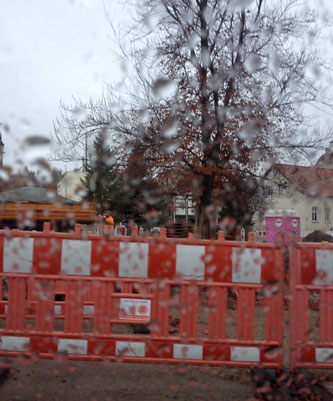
{"points": [[71, 186], [308, 190]]}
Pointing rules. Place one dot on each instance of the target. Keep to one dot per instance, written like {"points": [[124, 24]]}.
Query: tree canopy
{"points": [[222, 85]]}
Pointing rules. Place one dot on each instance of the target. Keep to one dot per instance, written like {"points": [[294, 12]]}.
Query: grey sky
{"points": [[50, 50]]}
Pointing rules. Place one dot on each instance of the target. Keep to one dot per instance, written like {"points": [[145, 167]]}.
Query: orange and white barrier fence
{"points": [[64, 294], [311, 305], [201, 302]]}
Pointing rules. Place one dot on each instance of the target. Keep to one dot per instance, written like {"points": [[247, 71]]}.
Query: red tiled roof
{"points": [[308, 179]]}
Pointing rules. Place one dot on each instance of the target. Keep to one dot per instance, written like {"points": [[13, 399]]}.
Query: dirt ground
{"points": [[94, 381]]}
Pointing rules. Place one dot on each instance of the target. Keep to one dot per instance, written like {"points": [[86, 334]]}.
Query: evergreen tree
{"points": [[126, 188], [102, 182]]}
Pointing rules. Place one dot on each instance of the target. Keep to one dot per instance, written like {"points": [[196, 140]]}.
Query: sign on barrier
{"points": [[134, 309]]}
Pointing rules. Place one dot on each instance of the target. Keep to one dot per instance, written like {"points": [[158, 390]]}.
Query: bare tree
{"points": [[223, 89]]}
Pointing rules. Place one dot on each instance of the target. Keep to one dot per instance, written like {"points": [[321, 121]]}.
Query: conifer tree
{"points": [[102, 182]]}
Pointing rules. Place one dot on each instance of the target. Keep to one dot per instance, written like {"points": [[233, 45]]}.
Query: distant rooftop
{"points": [[32, 195], [310, 180]]}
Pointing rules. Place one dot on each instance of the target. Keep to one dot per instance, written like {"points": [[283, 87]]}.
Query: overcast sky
{"points": [[50, 51]]}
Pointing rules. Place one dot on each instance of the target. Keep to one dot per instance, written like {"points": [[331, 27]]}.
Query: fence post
{"points": [[252, 238], [294, 266], [163, 232], [46, 226], [221, 236]]}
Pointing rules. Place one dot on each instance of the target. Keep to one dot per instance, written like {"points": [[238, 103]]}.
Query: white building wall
{"points": [[70, 186], [292, 199]]}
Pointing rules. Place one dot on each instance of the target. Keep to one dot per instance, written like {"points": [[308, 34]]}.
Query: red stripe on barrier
{"points": [[104, 258], [308, 354], [159, 349], [269, 270], [216, 353], [47, 256], [41, 344], [102, 347], [162, 260], [308, 266], [215, 257]]}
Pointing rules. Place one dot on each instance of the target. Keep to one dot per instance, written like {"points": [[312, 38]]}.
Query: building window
{"points": [[269, 191], [327, 215], [314, 214], [281, 187]]}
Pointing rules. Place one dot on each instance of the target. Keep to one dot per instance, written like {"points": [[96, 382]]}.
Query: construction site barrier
{"points": [[196, 301], [311, 305]]}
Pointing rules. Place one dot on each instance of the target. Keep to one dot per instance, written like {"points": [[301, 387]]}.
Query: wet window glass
{"points": [[166, 186]]}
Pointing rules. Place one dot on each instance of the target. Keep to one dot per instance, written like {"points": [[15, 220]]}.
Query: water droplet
{"points": [[273, 352], [36, 140], [164, 88], [252, 63]]}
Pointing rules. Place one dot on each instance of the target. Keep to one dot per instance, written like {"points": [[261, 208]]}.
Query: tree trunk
{"points": [[205, 211]]}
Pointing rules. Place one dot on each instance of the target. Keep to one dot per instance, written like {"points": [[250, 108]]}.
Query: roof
{"points": [[326, 160], [281, 212], [32, 195], [309, 180]]}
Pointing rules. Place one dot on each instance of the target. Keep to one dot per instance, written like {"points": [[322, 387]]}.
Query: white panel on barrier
{"points": [[190, 261], [324, 270], [133, 259], [18, 255], [187, 351], [246, 265], [14, 343], [324, 355], [245, 354], [71, 346], [76, 257]]}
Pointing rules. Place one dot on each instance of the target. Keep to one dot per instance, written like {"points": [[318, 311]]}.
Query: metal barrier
{"points": [[311, 305], [198, 301]]}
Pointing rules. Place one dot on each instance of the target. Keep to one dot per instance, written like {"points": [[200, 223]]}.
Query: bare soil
{"points": [[74, 380]]}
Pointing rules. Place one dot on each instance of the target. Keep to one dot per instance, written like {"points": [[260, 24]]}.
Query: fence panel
{"points": [[311, 306], [197, 301]]}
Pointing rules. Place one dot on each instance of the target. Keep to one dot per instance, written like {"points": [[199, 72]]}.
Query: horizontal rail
{"points": [[191, 240], [312, 287], [133, 280], [313, 245], [169, 361], [142, 338]]}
